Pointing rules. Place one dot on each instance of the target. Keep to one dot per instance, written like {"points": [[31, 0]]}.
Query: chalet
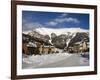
{"points": [[70, 49], [49, 49], [24, 48], [37, 48], [46, 49], [77, 47], [29, 48], [81, 46]]}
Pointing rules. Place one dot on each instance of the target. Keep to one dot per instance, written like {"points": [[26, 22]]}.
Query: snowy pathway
{"points": [[39, 60], [55, 60]]}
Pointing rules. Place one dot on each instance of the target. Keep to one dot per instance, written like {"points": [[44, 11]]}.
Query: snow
{"points": [[69, 39], [50, 41], [84, 61], [26, 32], [54, 60], [47, 59], [84, 58], [58, 31], [38, 60], [31, 44]]}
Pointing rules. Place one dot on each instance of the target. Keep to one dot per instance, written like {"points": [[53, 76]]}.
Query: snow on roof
{"points": [[70, 47], [88, 43], [31, 44], [78, 42], [48, 46]]}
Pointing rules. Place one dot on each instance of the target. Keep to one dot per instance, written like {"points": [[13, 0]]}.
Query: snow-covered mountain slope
{"points": [[69, 39], [58, 31], [26, 32], [61, 37]]}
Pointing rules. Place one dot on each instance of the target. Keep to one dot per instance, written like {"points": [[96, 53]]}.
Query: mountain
{"points": [[58, 31], [60, 38], [78, 38], [36, 37]]}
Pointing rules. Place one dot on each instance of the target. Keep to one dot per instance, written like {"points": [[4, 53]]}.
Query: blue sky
{"points": [[35, 19]]}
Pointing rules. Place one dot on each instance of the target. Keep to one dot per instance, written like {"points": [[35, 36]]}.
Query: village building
{"points": [[49, 49], [24, 48], [37, 48], [82, 46], [46, 49], [29, 48]]}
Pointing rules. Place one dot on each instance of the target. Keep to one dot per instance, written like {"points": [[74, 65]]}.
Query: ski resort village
{"points": [[41, 48], [50, 45]]}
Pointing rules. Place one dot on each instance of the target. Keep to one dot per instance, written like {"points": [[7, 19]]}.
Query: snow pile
{"points": [[84, 58], [38, 60], [84, 61]]}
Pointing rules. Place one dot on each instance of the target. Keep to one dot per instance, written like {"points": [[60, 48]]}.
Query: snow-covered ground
{"points": [[54, 60], [38, 60]]}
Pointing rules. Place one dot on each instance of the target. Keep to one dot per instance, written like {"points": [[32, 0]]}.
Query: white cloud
{"points": [[30, 25], [52, 23], [63, 15], [69, 19], [61, 19]]}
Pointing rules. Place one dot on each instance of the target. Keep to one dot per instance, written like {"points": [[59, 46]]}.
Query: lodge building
{"points": [[82, 46], [37, 48]]}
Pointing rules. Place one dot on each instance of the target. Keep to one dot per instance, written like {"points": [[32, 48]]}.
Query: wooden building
{"points": [[46, 49], [29, 48], [82, 46], [37, 48]]}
